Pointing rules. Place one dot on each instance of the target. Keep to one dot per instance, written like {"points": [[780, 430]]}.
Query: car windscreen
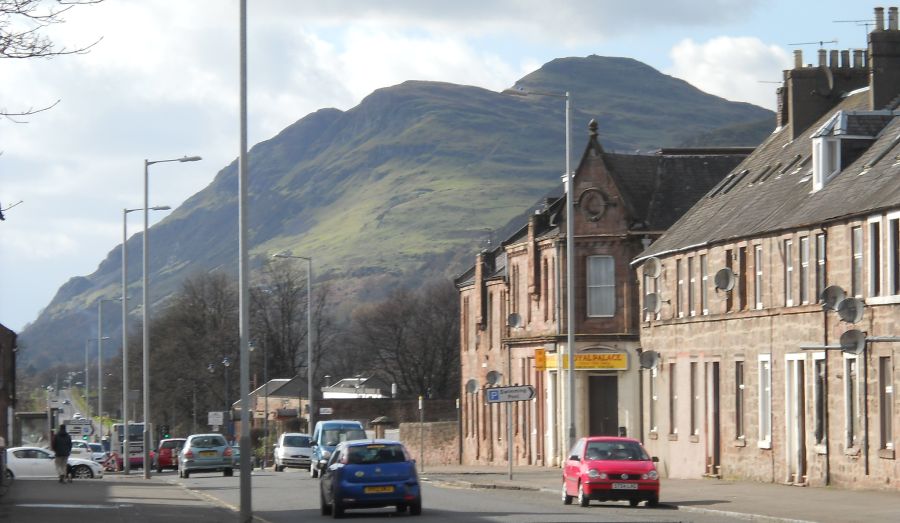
{"points": [[375, 453], [296, 441], [616, 451], [206, 442], [171, 444], [332, 437]]}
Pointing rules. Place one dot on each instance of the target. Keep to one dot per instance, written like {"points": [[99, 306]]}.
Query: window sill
{"points": [[673, 437], [695, 439], [886, 453], [740, 442], [766, 444], [852, 451], [820, 449], [653, 435]]}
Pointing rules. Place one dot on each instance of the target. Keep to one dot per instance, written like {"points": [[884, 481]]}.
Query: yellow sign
{"points": [[540, 359], [591, 361]]}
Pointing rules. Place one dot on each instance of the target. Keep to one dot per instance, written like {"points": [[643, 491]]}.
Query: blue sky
{"points": [[163, 83]]}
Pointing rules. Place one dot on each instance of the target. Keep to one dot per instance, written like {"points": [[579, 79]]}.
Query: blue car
{"points": [[369, 474]]}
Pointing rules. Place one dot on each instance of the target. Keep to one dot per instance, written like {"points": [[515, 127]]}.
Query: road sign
{"points": [[79, 427], [504, 394], [217, 418]]}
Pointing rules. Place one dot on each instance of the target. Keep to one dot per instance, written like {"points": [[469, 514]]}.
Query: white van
{"points": [[293, 450]]}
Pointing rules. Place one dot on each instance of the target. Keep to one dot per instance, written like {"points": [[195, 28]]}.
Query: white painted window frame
{"points": [[764, 368], [875, 271]]}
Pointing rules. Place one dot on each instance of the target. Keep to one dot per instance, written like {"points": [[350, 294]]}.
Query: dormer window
{"points": [[826, 160]]}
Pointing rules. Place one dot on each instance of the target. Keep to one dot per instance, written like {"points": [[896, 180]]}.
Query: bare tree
{"points": [[22, 35], [412, 339]]}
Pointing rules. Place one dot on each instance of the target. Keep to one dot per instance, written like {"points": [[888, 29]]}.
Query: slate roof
{"points": [[771, 190]]}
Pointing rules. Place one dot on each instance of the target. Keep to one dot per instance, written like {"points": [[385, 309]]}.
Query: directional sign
{"points": [[79, 427], [216, 417], [504, 394]]}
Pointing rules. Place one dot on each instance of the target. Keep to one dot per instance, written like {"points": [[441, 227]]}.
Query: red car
{"points": [[167, 456], [610, 469]]}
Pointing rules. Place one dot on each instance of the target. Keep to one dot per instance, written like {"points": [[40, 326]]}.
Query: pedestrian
{"points": [[62, 447]]}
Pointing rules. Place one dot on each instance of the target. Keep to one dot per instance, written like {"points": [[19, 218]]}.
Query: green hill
{"points": [[396, 190]]}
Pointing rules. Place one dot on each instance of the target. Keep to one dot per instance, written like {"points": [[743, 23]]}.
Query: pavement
{"points": [[122, 499], [733, 499]]}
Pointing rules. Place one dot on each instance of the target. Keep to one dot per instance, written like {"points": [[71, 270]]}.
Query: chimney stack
{"points": [[892, 18], [823, 62], [858, 58], [798, 58], [884, 60], [879, 19], [845, 58]]}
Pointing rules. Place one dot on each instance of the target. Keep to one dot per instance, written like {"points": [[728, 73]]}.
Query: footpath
{"points": [[734, 499]]}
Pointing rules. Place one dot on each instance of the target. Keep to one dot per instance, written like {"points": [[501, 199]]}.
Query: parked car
{"points": [[367, 474], [97, 453], [610, 469], [167, 454], [34, 462], [82, 449], [326, 437], [293, 450], [205, 453]]}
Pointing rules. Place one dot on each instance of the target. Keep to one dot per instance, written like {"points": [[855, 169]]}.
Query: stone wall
{"points": [[441, 442]]}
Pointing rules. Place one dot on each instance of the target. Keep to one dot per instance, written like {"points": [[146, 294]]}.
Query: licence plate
{"points": [[206, 453], [378, 490], [624, 486]]}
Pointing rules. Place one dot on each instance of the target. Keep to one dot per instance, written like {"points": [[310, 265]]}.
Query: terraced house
{"points": [[512, 303], [772, 306]]}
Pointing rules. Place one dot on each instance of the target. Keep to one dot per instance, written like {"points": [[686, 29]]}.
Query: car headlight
{"points": [[326, 454], [651, 475], [596, 474]]}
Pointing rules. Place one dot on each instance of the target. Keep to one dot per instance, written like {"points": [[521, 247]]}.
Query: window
{"points": [[679, 290], [820, 397], [691, 283], [490, 320], [695, 399], [826, 160], [788, 272], [545, 288], [673, 400], [856, 248], [514, 289], [893, 251], [742, 278], [651, 286], [653, 399], [729, 296], [704, 284], [886, 401], [875, 257], [601, 286], [739, 399], [820, 266], [851, 400], [765, 401], [804, 270], [757, 279], [465, 324]]}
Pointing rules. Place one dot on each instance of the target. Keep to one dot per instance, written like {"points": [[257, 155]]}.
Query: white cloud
{"points": [[734, 68]]}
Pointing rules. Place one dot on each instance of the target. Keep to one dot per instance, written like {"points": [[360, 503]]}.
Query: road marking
{"points": [[68, 505]]}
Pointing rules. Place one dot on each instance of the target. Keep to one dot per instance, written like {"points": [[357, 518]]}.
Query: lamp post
{"points": [[87, 376], [265, 357], [570, 261], [226, 362], [146, 306], [310, 364], [125, 459]]}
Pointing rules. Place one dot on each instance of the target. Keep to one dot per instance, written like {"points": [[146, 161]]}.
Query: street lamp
{"points": [[146, 306], [126, 460], [265, 356], [310, 364], [87, 376], [570, 259]]}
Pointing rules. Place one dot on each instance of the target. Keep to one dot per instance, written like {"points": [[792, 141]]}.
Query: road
{"points": [[290, 496]]}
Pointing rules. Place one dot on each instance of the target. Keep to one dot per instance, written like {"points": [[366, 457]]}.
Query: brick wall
{"points": [[441, 442]]}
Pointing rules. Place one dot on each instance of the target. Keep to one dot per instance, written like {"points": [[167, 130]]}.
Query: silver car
{"points": [[205, 453]]}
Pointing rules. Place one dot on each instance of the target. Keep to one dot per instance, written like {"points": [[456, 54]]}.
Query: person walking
{"points": [[62, 448]]}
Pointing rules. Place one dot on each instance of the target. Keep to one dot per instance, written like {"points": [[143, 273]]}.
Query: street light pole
{"points": [[310, 364], [125, 392], [570, 263], [146, 306], [229, 431]]}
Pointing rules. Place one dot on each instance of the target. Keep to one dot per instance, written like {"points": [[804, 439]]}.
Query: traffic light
{"points": [[165, 432], [84, 437]]}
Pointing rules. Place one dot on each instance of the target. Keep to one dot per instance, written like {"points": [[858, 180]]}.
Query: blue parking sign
{"points": [[493, 395]]}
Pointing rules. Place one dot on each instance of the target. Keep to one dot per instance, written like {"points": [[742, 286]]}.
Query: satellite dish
{"points": [[853, 342], [471, 385], [831, 296], [652, 267], [514, 320], [725, 279], [851, 309], [649, 359], [652, 303], [493, 377]]}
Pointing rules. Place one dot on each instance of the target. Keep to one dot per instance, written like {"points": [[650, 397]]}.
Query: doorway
{"points": [[713, 432], [795, 419], [604, 405]]}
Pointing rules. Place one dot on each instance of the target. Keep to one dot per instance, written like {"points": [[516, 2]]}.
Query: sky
{"points": [[162, 83]]}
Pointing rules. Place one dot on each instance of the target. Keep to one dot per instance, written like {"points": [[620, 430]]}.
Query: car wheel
{"points": [[653, 501], [229, 472], [9, 474], [159, 470], [82, 472], [566, 498], [326, 508], [401, 509], [337, 509], [634, 502], [583, 500], [186, 474], [415, 509], [313, 472], [279, 468]]}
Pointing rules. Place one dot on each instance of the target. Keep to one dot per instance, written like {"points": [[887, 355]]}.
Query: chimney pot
{"points": [[858, 58], [892, 18], [798, 59], [822, 60], [879, 19], [845, 58], [833, 59]]}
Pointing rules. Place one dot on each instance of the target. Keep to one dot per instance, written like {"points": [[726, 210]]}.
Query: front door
{"points": [[713, 432], [604, 405], [795, 419]]}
